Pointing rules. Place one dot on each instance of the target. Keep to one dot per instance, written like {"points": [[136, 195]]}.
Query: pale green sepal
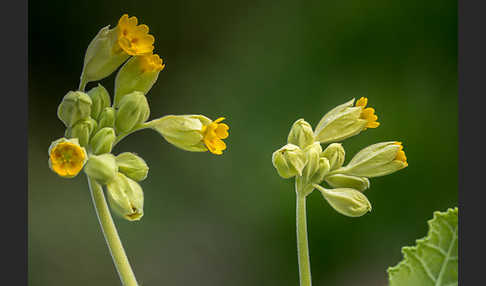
{"points": [[82, 130], [132, 166], [107, 118], [100, 98], [102, 141], [125, 197], [346, 181], [331, 114], [346, 201], [75, 106], [434, 260], [335, 154], [301, 134], [312, 153], [102, 168], [374, 161], [132, 112], [183, 131], [319, 175], [342, 125], [289, 161], [132, 77], [103, 56]]}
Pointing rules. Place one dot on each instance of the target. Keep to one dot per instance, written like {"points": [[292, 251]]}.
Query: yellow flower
{"points": [[401, 154], [212, 135], [368, 113], [66, 157], [132, 38], [151, 63]]}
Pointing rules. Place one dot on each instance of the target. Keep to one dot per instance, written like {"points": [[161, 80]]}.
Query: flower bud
{"points": [[312, 153], [67, 157], [377, 160], [132, 111], [345, 121], [100, 98], [103, 56], [346, 201], [322, 171], [125, 197], [102, 168], [301, 134], [347, 181], [132, 166], [107, 118], [289, 161], [82, 130], [183, 131], [138, 73], [102, 141], [335, 154], [75, 106]]}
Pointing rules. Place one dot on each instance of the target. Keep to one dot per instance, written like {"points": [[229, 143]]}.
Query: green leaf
{"points": [[433, 261]]}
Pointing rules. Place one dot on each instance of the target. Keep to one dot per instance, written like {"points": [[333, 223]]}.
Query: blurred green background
{"points": [[230, 220]]}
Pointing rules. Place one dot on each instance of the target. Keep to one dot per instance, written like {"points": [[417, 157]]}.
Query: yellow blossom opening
{"points": [[151, 63], [67, 159], [368, 113], [401, 154], [132, 38], [213, 133]]}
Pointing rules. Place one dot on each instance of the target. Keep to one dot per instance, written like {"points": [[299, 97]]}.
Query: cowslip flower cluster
{"points": [[95, 122], [304, 158]]}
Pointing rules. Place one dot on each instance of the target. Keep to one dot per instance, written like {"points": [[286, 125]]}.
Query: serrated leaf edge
{"points": [[422, 241]]}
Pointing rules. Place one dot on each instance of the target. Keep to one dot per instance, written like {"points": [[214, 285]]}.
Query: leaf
{"points": [[433, 261]]}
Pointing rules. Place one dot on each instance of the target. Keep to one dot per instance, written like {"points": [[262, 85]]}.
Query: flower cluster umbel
{"points": [[95, 124], [304, 158]]}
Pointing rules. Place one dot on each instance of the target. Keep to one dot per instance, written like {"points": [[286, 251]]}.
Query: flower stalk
{"points": [[302, 243], [110, 233]]}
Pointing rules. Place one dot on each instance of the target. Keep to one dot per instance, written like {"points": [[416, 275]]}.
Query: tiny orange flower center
{"points": [[212, 135], [368, 113]]}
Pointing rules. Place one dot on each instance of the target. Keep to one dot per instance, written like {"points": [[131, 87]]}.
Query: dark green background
{"points": [[230, 220]]}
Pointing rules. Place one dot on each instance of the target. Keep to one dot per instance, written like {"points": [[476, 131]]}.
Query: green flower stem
{"points": [[302, 244], [82, 82], [108, 227], [123, 135]]}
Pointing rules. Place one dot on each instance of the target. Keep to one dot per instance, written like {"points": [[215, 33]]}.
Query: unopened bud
{"points": [[100, 98], [335, 154], [312, 153], [132, 112], [301, 134], [107, 118], [347, 181], [102, 168], [75, 106], [102, 141], [132, 166], [289, 161], [346, 201], [125, 197], [322, 171], [82, 130]]}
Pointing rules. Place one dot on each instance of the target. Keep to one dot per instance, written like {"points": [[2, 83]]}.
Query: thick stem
{"points": [[302, 244], [113, 241]]}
